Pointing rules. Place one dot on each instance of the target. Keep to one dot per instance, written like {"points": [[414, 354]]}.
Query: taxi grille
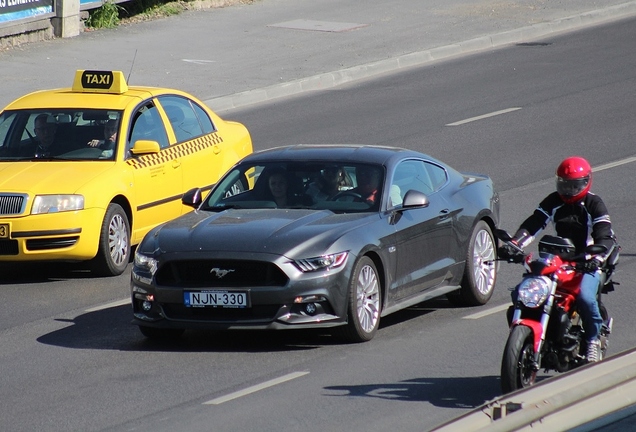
{"points": [[8, 247], [220, 273], [12, 204]]}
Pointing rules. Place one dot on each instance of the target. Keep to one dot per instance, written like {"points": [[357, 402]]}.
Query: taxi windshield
{"points": [[59, 134]]}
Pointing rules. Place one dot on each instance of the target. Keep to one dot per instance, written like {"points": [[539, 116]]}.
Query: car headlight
{"points": [[533, 292], [57, 203], [324, 262], [145, 263]]}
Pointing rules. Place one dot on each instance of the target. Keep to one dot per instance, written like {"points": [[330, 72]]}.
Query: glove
{"points": [[510, 254], [592, 265]]}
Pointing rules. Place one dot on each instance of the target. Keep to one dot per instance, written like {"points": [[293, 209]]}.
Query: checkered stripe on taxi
{"points": [[176, 151]]}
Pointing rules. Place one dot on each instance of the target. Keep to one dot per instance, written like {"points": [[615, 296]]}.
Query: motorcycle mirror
{"points": [[502, 235], [595, 249]]}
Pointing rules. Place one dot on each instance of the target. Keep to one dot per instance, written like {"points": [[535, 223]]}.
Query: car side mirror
{"points": [[192, 198], [415, 199], [145, 147]]}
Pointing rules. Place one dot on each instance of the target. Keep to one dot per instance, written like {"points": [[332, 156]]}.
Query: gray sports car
{"points": [[314, 236]]}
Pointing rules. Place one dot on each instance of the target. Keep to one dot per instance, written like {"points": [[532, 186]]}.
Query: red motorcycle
{"points": [[545, 328]]}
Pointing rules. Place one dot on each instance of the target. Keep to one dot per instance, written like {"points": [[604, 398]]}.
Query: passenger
{"points": [[110, 137]]}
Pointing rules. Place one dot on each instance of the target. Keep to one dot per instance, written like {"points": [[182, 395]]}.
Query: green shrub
{"points": [[106, 16]]}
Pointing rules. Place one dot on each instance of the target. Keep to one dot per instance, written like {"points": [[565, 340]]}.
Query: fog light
{"points": [[310, 308], [146, 305]]}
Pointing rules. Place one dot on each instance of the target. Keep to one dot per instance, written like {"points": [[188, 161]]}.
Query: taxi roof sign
{"points": [[92, 81]]}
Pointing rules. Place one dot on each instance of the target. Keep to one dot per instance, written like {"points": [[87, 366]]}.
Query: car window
{"points": [[342, 188], [182, 117], [416, 175], [69, 134], [204, 119], [147, 125]]}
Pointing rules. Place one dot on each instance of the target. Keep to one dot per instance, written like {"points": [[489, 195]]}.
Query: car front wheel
{"points": [[114, 243], [364, 306]]}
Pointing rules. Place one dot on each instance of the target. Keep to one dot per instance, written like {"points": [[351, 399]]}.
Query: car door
{"points": [[157, 175], [423, 235], [197, 140]]}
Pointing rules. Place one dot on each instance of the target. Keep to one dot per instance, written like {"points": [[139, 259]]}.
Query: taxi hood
{"points": [[49, 177]]}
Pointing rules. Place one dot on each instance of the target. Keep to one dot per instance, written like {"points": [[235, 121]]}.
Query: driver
{"points": [[577, 214], [368, 180]]}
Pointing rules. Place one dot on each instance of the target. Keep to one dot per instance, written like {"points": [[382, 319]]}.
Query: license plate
{"points": [[216, 298], [4, 231]]}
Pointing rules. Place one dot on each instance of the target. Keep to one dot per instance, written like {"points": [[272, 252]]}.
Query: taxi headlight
{"points": [[533, 292], [57, 203], [145, 263]]}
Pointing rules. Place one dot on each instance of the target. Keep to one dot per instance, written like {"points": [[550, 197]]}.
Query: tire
{"points": [[517, 369], [364, 305], [480, 273], [114, 243], [159, 334]]}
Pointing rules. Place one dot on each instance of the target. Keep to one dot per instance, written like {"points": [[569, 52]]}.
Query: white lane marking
{"points": [[109, 305], [614, 164], [195, 61], [492, 114], [255, 388], [487, 312]]}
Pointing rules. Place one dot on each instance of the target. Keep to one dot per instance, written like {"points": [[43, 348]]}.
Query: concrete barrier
{"points": [[560, 403]]}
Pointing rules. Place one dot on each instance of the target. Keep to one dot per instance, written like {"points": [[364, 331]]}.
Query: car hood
{"points": [[48, 177], [292, 233]]}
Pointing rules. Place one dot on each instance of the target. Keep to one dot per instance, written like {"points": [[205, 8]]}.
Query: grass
{"points": [[110, 14]]}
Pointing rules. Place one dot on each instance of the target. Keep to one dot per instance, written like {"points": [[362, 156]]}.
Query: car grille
{"points": [[220, 273], [255, 313], [8, 247], [12, 204], [51, 243]]}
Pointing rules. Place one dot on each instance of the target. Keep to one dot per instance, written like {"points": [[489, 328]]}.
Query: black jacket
{"points": [[585, 223]]}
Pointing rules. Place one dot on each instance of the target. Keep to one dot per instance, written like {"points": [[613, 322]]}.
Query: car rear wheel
{"points": [[364, 306], [114, 243], [480, 272]]}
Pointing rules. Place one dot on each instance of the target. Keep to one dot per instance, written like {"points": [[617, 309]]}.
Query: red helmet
{"points": [[573, 179]]}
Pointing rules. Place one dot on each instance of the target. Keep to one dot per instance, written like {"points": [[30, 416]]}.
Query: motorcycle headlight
{"points": [[532, 292], [57, 203]]}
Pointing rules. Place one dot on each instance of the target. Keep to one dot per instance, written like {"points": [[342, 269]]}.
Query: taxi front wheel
{"points": [[114, 243]]}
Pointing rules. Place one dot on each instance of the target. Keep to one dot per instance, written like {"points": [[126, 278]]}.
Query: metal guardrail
{"points": [[560, 403]]}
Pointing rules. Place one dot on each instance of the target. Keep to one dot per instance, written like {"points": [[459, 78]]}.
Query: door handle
{"points": [[444, 214], [176, 163]]}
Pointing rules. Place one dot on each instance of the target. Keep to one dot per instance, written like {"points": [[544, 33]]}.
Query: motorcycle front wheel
{"points": [[518, 369]]}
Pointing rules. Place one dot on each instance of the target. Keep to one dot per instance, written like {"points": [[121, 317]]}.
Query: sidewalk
{"points": [[239, 55]]}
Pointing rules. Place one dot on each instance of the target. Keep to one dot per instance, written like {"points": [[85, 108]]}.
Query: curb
{"points": [[419, 58]]}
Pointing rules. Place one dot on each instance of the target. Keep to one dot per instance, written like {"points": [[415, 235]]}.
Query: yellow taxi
{"points": [[87, 171]]}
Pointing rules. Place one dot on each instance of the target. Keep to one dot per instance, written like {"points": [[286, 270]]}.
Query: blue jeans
{"points": [[587, 305]]}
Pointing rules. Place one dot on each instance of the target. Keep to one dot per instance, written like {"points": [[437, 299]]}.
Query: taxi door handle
{"points": [[176, 163]]}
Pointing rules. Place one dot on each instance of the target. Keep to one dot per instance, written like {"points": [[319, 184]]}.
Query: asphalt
{"points": [[239, 55]]}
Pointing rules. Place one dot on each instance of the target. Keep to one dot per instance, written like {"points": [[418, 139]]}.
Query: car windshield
{"points": [[59, 134], [339, 187]]}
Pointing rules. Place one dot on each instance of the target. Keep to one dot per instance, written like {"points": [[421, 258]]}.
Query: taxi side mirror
{"points": [[145, 147]]}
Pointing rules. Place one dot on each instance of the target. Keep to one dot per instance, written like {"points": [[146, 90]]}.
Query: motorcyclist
{"points": [[577, 214]]}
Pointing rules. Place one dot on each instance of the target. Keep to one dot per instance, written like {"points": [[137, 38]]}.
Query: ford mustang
{"points": [[318, 236]]}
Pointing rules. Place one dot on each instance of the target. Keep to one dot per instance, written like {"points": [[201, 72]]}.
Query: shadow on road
{"points": [[468, 392], [110, 329]]}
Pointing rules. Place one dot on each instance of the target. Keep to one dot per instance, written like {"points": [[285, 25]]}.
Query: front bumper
{"points": [[70, 236]]}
